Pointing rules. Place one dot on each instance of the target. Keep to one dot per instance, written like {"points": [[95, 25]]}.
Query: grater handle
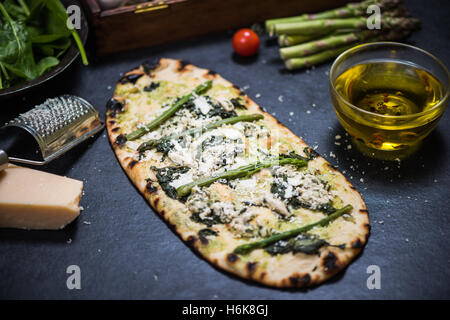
{"points": [[26, 161], [3, 160]]}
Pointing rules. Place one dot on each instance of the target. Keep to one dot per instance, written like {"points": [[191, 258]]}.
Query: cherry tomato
{"points": [[245, 42]]}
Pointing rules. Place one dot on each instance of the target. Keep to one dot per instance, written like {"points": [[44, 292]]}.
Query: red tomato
{"points": [[245, 42]]}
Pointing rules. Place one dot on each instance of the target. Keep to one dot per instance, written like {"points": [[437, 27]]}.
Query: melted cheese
{"points": [[202, 104]]}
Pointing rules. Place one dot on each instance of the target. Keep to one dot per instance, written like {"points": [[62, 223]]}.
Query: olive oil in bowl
{"points": [[388, 104], [390, 88]]}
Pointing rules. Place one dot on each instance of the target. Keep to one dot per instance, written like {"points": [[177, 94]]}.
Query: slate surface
{"points": [[125, 251]]}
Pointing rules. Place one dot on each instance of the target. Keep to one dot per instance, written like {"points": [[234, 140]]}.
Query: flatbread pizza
{"points": [[240, 188]]}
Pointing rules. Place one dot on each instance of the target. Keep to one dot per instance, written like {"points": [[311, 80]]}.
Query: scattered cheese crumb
{"points": [[281, 98], [308, 111], [349, 147], [291, 113], [87, 222], [258, 95]]}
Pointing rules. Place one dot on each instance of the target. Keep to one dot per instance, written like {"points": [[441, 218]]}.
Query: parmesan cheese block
{"points": [[32, 199]]}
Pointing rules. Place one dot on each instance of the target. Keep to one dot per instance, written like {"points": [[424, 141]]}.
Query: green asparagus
{"points": [[241, 172], [284, 40], [350, 10], [170, 112], [308, 61], [329, 25], [246, 248], [332, 41]]}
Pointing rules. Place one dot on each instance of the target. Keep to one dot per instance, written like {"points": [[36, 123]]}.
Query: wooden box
{"points": [[162, 21]]}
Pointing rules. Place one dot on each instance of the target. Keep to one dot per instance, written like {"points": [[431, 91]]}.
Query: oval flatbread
{"points": [[219, 215]]}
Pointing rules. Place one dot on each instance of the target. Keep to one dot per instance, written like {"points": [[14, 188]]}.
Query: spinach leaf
{"points": [[33, 35], [207, 232], [309, 244], [210, 220], [326, 208], [236, 102], [279, 188], [164, 146], [152, 86], [219, 110], [166, 175], [304, 243]]}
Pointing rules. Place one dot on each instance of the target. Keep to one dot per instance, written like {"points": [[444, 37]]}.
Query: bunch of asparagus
{"points": [[310, 39]]}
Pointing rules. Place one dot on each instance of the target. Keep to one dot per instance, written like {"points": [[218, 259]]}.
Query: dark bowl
{"points": [[67, 58]]}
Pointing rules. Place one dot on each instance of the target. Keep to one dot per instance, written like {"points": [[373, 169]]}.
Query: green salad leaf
{"points": [[33, 36]]}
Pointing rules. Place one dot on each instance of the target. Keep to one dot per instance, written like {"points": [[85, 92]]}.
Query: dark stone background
{"points": [[128, 252]]}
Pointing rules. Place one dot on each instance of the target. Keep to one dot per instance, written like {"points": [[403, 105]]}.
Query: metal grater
{"points": [[57, 125]]}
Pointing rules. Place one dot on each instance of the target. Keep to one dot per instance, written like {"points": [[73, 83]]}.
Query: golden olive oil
{"points": [[396, 97]]}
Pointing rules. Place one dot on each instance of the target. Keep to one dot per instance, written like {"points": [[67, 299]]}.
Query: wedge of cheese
{"points": [[32, 199]]}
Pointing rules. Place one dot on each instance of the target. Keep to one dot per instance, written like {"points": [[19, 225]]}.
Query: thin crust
{"points": [[287, 270]]}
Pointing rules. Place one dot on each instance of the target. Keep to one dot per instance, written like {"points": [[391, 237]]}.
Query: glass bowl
{"points": [[393, 135]]}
